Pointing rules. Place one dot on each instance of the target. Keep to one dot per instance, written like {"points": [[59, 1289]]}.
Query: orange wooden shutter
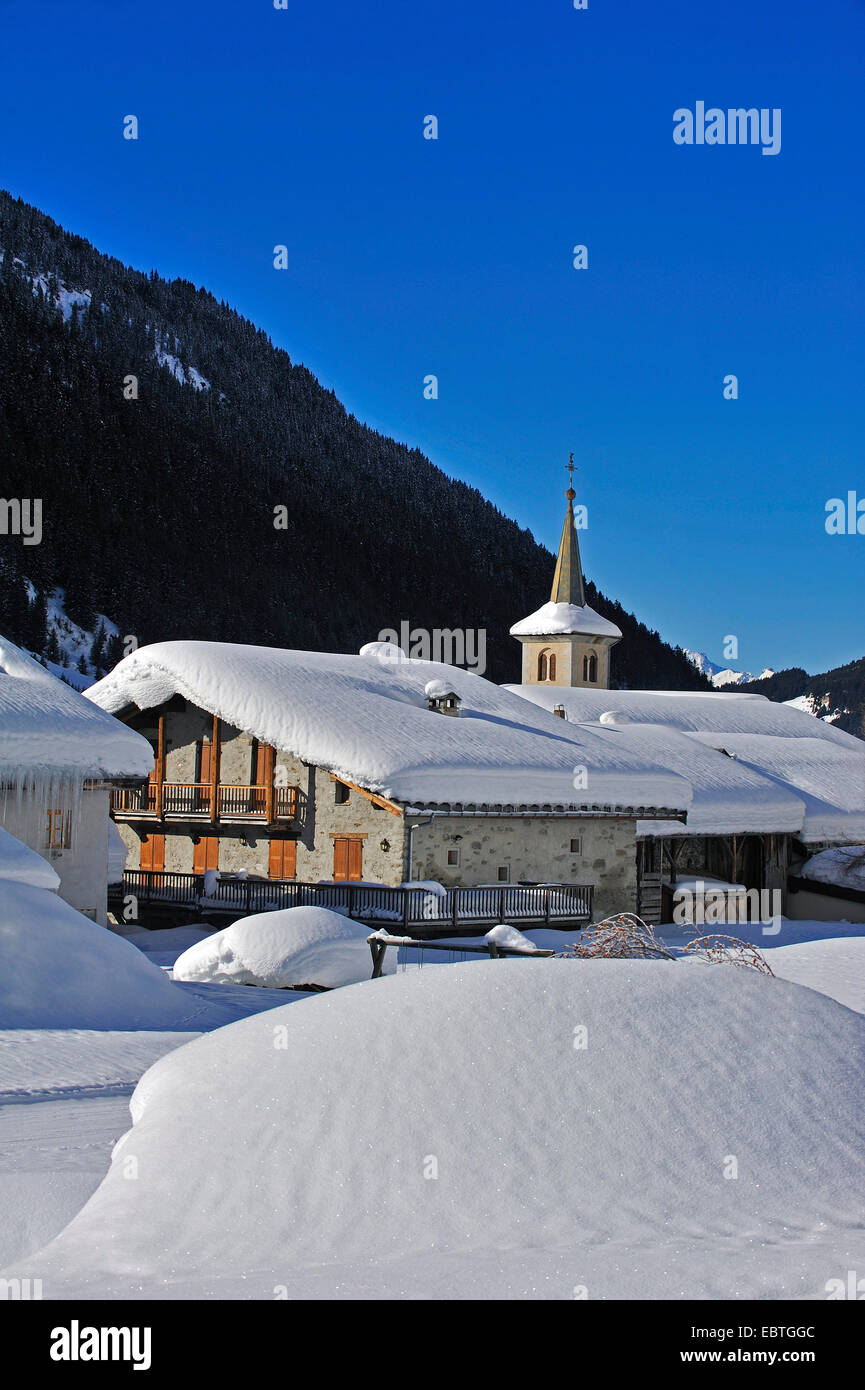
{"points": [[204, 762], [340, 859], [153, 853], [355, 859], [205, 855], [283, 859]]}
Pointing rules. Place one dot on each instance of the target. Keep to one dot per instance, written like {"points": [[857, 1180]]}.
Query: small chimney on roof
{"points": [[441, 698], [559, 710]]}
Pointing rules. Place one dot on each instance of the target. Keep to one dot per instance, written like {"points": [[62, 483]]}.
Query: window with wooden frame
{"points": [[453, 858], [58, 830], [341, 793], [576, 845], [503, 873]]}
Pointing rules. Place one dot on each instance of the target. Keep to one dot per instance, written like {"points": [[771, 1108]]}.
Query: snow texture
{"points": [[282, 950], [557, 619], [51, 731], [844, 866], [61, 970], [20, 864], [307, 1164], [752, 764], [366, 720]]}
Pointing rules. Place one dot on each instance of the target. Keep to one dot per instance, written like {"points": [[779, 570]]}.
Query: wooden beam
{"points": [[160, 763], [381, 801], [269, 769], [214, 770]]}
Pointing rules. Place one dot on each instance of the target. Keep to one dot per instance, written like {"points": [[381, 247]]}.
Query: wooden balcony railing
{"points": [[195, 799], [452, 912]]}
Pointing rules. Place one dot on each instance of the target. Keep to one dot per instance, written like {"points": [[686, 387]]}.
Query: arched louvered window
{"points": [[592, 662], [552, 666], [542, 666]]}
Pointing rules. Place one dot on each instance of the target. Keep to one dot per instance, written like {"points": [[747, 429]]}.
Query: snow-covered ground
{"points": [[447, 1134], [441, 1133]]}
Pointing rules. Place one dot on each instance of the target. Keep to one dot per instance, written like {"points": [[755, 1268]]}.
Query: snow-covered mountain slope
{"points": [[723, 675], [68, 300]]}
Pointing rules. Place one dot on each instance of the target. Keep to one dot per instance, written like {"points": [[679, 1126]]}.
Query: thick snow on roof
{"points": [[366, 718], [307, 1164], [50, 731], [729, 797], [797, 756], [557, 619]]}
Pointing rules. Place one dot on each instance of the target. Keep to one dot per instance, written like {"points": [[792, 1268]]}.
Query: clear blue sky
{"points": [[408, 256]]}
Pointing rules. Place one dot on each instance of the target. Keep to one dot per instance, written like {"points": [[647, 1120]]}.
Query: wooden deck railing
{"points": [[195, 799], [419, 909]]}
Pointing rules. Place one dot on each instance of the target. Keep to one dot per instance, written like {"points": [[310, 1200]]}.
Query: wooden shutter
{"points": [[355, 859], [283, 859], [153, 853], [205, 855], [341, 858], [204, 761]]}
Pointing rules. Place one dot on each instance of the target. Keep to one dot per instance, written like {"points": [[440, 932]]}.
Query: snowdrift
{"points": [[454, 1133], [60, 970], [295, 946]]}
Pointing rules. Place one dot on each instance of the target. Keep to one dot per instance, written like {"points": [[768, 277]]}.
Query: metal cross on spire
{"points": [[571, 466]]}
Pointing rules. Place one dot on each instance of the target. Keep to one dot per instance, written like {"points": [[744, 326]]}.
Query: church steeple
{"points": [[568, 586], [566, 642]]}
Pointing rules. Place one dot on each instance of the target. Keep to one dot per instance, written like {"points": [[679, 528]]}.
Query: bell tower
{"points": [[566, 642]]}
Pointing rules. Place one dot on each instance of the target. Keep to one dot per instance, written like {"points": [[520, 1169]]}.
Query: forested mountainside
{"points": [[159, 511], [838, 695]]}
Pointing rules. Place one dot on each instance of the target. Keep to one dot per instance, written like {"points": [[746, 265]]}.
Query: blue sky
{"points": [[454, 257]]}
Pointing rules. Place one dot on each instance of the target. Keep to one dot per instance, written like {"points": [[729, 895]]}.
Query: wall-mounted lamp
{"points": [[384, 846]]}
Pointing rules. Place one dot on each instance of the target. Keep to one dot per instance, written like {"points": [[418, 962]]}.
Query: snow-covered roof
{"points": [[754, 765], [366, 719], [559, 619], [49, 731]]}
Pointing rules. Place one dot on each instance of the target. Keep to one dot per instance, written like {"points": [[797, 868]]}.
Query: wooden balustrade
{"points": [[196, 799]]}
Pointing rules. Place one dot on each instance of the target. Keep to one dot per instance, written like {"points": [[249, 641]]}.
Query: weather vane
{"points": [[570, 465]]}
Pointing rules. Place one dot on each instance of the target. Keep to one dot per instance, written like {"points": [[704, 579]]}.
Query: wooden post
{"points": [[378, 949], [547, 906], [269, 767], [160, 764], [214, 771], [405, 897], [455, 893], [501, 905]]}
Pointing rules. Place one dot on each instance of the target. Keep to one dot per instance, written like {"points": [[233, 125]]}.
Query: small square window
{"points": [[504, 873], [453, 856], [576, 845]]}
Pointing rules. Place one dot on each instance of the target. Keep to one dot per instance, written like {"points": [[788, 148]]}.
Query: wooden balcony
{"points": [[456, 912], [195, 801]]}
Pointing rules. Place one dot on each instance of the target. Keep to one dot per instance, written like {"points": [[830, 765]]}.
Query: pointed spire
{"points": [[568, 586]]}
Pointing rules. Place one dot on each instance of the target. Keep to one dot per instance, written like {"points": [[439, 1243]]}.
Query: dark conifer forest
{"points": [[159, 511]]}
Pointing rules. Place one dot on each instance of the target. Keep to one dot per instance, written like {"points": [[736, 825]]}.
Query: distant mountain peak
{"points": [[723, 675]]}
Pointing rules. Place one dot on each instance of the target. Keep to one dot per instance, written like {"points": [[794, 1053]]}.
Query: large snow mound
{"points": [[58, 969], [23, 865], [295, 946], [454, 1133]]}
